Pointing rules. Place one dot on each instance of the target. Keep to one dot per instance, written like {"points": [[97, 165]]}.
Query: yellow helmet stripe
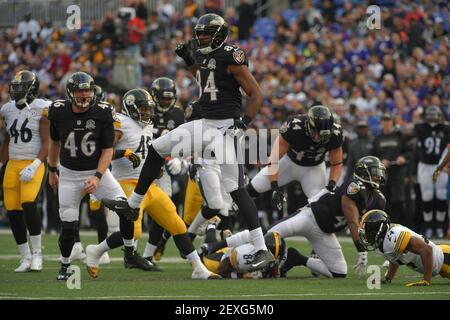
{"points": [[277, 242]]}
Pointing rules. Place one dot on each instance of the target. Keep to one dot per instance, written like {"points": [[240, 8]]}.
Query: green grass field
{"points": [[115, 282]]}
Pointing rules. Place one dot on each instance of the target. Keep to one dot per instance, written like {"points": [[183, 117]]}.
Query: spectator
{"points": [[246, 19], [136, 32], [28, 27]]}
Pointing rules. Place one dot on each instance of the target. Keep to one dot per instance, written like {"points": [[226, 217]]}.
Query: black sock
{"points": [[251, 191], [295, 258], [77, 235], [209, 213], [225, 223], [126, 228], [166, 235], [218, 245], [210, 235], [18, 227], [183, 244], [67, 237], [247, 208], [115, 240], [192, 236], [150, 170], [155, 233], [32, 218]]}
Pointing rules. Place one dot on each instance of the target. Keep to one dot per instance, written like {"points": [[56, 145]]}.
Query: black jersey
{"points": [[192, 112], [328, 211], [163, 123], [82, 136], [431, 142], [220, 96], [303, 151]]}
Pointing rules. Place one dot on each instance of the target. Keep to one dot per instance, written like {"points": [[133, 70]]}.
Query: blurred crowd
{"points": [[325, 55]]}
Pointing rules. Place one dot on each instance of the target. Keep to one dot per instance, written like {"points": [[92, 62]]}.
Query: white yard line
{"points": [[299, 295]]}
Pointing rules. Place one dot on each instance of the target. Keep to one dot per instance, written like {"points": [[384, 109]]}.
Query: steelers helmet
{"points": [[138, 104], [164, 93], [214, 26], [80, 81], [275, 244], [24, 88], [319, 124], [370, 171], [373, 227]]}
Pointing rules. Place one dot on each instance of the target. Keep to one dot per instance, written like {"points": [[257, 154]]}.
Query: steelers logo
{"points": [[129, 99]]}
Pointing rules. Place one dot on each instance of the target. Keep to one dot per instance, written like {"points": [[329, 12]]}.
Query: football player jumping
{"points": [[402, 246], [332, 212], [221, 71], [81, 139], [298, 155], [26, 146], [134, 139]]}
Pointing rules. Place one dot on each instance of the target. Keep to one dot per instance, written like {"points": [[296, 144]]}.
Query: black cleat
{"points": [[289, 263], [122, 208], [263, 260], [135, 261], [155, 268], [63, 274], [160, 247]]}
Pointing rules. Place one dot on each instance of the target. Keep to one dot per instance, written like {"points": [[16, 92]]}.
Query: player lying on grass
{"points": [[402, 246], [232, 257]]}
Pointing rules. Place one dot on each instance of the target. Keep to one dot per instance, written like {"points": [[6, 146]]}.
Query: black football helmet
{"points": [[24, 88], [81, 81], [370, 171], [215, 27], [373, 227], [164, 93], [275, 244], [433, 116], [99, 93], [138, 104], [320, 124]]}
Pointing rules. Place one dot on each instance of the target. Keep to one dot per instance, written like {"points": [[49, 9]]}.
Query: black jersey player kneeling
{"points": [[81, 140], [332, 212]]}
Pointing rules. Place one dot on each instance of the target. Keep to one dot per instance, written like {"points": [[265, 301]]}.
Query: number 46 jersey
{"points": [[82, 136], [23, 128], [135, 138]]}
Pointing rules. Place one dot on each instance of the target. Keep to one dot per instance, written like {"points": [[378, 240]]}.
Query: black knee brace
{"points": [[208, 213]]}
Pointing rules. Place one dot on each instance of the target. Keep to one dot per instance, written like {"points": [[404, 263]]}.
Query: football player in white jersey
{"points": [[26, 148], [134, 139], [232, 257], [402, 246]]}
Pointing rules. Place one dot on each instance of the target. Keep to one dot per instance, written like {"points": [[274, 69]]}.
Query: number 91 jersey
{"points": [[431, 141], [82, 136], [135, 138], [23, 128]]}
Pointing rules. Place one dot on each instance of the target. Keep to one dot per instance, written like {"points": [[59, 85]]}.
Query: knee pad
{"points": [[208, 212], [215, 203], [427, 195], [252, 191], [69, 229]]}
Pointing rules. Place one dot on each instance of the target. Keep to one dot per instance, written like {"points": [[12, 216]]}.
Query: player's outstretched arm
{"points": [[250, 87], [419, 246], [390, 274]]}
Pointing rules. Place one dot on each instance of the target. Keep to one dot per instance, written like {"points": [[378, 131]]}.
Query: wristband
{"points": [[52, 168], [247, 120], [99, 175]]}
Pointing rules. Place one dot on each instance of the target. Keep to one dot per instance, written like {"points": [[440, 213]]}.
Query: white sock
{"points": [[199, 219], [195, 262], [135, 200], [238, 239], [24, 250], [36, 243], [136, 242], [149, 250], [318, 266], [77, 244], [128, 242], [65, 260], [103, 246], [257, 238]]}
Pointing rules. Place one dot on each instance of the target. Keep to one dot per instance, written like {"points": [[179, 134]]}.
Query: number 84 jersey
{"points": [[23, 128], [135, 138]]}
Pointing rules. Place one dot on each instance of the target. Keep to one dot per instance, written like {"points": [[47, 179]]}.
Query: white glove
{"points": [[29, 171], [361, 264], [174, 166]]}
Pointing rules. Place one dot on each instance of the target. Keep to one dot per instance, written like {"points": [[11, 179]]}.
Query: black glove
{"points": [[134, 158], [239, 125], [193, 170], [182, 50], [331, 186], [277, 196]]}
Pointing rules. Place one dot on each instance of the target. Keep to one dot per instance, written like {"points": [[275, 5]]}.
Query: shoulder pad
{"points": [[353, 188], [237, 55]]}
